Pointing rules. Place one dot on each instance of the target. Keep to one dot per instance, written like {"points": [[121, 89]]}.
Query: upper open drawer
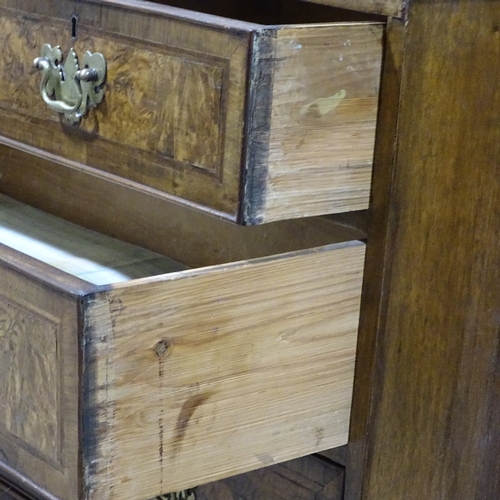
{"points": [[254, 122]]}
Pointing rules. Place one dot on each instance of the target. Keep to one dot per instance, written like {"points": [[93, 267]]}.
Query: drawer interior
{"points": [[94, 257], [85, 254], [272, 12]]}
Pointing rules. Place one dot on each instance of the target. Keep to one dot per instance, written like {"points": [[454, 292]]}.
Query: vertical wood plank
{"points": [[378, 255], [434, 400]]}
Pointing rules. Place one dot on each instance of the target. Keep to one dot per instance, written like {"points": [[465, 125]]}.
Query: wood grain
{"points": [[434, 401], [184, 234], [324, 109], [173, 111], [202, 109], [29, 377], [379, 253], [186, 361], [219, 371], [393, 8], [39, 429]]}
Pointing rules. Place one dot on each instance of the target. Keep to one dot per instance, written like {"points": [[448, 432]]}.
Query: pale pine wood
{"points": [[85, 254], [325, 100], [194, 102], [393, 8], [258, 370]]}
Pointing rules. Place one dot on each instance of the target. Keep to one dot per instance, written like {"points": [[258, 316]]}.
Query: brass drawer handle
{"points": [[66, 88]]}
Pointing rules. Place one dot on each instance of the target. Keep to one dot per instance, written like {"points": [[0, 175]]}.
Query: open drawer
{"points": [[124, 374], [255, 122]]}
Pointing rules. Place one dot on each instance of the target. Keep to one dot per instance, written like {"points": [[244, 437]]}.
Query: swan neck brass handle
{"points": [[66, 88]]}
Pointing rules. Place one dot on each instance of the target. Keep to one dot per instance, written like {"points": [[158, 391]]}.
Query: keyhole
{"points": [[74, 20]]}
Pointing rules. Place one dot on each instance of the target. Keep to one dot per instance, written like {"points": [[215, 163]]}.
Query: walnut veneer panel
{"points": [[39, 373], [226, 115], [173, 111]]}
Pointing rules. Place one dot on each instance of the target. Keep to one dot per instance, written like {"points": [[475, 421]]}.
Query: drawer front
{"points": [[172, 115], [249, 121], [39, 372]]}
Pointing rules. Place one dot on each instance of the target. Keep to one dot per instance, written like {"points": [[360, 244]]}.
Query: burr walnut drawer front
{"points": [[255, 122], [126, 374]]}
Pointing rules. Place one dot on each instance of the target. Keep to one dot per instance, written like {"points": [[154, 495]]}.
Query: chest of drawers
{"points": [[123, 381], [126, 374], [426, 368]]}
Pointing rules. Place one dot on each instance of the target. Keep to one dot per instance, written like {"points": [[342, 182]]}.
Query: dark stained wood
{"points": [[337, 455], [357, 220], [307, 478], [378, 255], [272, 11], [433, 405]]}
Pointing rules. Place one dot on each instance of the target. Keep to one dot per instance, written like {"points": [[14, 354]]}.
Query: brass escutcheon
{"points": [[66, 88]]}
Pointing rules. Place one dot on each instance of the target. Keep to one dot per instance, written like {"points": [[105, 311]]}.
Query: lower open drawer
{"points": [[124, 374]]}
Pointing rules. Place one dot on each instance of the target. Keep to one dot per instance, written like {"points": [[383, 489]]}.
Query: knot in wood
{"points": [[162, 347]]}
